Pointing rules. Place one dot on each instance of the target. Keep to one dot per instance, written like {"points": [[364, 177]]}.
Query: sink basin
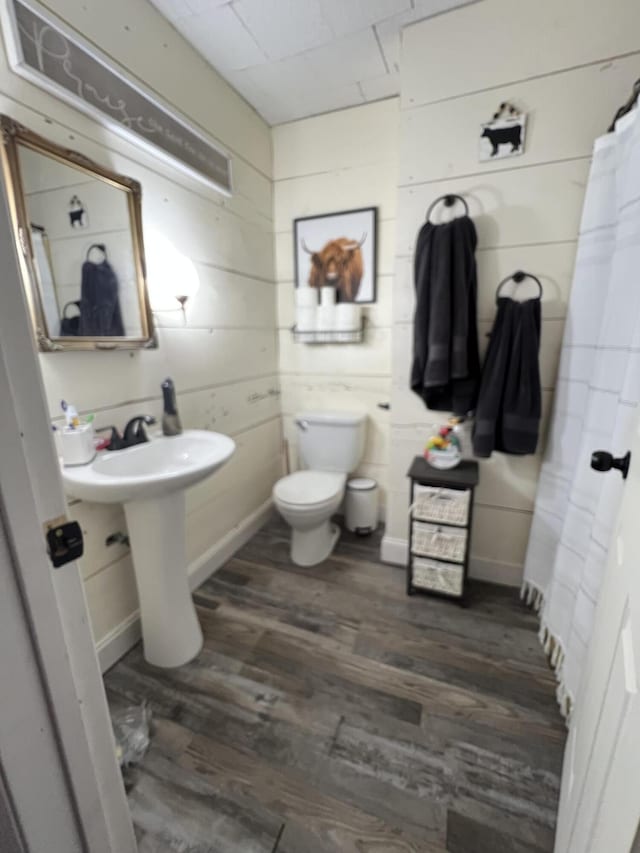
{"points": [[164, 464], [150, 480]]}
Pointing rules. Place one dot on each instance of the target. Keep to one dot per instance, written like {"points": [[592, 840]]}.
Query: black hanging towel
{"points": [[509, 402], [100, 314], [446, 365]]}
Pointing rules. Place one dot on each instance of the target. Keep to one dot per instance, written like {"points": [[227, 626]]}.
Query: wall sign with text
{"points": [[48, 53]]}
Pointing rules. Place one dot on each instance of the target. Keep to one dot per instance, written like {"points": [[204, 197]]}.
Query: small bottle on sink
{"points": [[170, 418]]}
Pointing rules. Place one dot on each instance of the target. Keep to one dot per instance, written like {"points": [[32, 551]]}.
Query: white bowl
{"points": [[444, 459]]}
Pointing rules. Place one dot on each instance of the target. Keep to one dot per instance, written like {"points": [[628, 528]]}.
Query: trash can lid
{"points": [[361, 484]]}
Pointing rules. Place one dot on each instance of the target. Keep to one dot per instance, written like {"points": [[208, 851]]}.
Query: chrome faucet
{"points": [[170, 418]]}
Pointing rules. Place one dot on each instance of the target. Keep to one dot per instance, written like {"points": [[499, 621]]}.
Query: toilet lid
{"points": [[309, 487]]}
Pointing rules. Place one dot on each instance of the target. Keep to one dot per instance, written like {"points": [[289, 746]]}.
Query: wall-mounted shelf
{"points": [[335, 336]]}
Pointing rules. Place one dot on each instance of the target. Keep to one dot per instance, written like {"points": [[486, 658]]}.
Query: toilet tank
{"points": [[330, 441]]}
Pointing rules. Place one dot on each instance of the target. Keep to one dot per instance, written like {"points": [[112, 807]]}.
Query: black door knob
{"points": [[602, 460]]}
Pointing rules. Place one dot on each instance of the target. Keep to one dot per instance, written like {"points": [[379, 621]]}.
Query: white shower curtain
{"points": [[597, 395]]}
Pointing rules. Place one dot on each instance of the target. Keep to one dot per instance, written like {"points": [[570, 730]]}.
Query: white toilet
{"points": [[330, 447]]}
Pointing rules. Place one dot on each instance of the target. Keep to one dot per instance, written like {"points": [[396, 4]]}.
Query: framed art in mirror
{"points": [[78, 232]]}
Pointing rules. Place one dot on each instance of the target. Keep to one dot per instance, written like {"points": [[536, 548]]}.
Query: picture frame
{"points": [[340, 250], [503, 136]]}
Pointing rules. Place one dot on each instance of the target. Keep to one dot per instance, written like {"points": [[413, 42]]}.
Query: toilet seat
{"points": [[309, 489]]}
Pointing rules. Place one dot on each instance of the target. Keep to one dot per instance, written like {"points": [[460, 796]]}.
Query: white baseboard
{"points": [[226, 547], [505, 574], [395, 551], [125, 635], [118, 641]]}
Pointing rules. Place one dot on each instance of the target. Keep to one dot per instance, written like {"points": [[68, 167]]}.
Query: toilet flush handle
{"points": [[302, 423]]}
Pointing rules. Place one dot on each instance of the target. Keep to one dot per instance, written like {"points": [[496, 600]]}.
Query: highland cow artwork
{"points": [[338, 250]]}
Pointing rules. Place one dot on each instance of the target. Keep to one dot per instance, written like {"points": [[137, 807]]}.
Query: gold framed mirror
{"points": [[78, 230]]}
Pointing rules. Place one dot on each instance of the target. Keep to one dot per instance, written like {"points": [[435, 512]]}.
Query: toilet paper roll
{"points": [[325, 318], [327, 296], [306, 297], [306, 318], [348, 316]]}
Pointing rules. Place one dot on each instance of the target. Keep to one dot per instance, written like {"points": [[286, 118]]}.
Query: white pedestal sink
{"points": [[150, 480]]}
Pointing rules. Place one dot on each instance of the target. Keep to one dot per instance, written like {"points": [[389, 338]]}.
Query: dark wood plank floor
{"points": [[329, 713]]}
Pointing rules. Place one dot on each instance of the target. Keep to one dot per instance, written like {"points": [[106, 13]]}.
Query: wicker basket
{"points": [[432, 540], [441, 577], [449, 506]]}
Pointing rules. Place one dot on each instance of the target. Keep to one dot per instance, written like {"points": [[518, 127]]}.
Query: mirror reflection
{"points": [[83, 249]]}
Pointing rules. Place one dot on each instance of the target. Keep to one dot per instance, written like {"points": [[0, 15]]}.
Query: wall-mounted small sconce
{"points": [[172, 276]]}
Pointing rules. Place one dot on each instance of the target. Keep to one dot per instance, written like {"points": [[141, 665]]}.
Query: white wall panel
{"points": [[222, 354], [562, 63], [364, 186], [551, 262], [194, 358], [111, 596], [500, 536], [334, 141], [330, 163], [514, 207], [502, 42], [565, 112]]}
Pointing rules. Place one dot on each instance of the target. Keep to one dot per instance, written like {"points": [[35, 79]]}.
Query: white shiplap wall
{"points": [[224, 359], [569, 65], [339, 161]]}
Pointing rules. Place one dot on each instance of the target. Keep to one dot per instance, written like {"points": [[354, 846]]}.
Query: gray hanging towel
{"points": [[509, 402], [446, 366], [100, 314]]}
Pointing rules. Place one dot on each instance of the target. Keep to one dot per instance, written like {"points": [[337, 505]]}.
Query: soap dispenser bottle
{"points": [[170, 418]]}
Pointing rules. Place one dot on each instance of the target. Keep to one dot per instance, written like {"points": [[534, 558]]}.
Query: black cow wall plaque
{"points": [[504, 135]]}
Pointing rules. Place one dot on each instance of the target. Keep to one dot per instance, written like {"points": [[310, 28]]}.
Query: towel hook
{"points": [[519, 276], [449, 199]]}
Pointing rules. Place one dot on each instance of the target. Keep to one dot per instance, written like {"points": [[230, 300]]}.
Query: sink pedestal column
{"points": [[171, 633]]}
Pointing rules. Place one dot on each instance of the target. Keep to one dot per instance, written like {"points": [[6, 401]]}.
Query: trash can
{"points": [[361, 506]]}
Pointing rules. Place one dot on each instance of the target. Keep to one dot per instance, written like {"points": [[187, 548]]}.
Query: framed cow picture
{"points": [[503, 136], [338, 250]]}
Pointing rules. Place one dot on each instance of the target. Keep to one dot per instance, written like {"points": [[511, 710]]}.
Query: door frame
{"points": [[54, 608]]}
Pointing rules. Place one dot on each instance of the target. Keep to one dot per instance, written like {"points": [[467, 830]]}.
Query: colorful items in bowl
{"points": [[443, 450]]}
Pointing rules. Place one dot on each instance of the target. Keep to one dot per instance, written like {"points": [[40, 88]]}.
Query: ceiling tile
{"points": [[390, 31], [427, 8], [348, 59], [349, 17], [315, 104], [323, 101], [292, 58], [198, 7], [389, 37], [343, 62], [381, 87], [284, 27], [172, 9], [222, 39]]}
